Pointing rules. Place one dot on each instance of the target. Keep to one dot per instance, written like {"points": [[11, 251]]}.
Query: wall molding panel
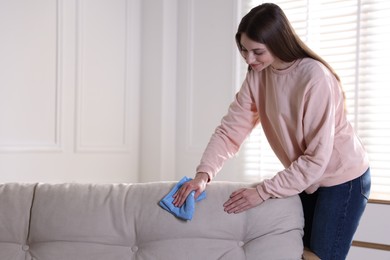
{"points": [[106, 89], [27, 76], [70, 90]]}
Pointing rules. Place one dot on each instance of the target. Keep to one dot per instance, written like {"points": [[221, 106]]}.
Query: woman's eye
{"points": [[258, 53]]}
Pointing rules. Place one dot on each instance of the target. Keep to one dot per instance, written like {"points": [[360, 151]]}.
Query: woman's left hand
{"points": [[242, 199]]}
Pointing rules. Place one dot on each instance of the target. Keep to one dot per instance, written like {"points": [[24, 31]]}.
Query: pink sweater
{"points": [[301, 110]]}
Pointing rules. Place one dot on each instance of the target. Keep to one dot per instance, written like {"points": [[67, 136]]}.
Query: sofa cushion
{"points": [[15, 206], [124, 221]]}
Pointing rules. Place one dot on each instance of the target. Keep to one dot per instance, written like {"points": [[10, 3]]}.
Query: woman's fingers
{"points": [[181, 195], [198, 184], [237, 192], [242, 200], [236, 203]]}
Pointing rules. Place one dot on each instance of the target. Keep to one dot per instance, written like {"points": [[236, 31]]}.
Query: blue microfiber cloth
{"points": [[187, 209]]}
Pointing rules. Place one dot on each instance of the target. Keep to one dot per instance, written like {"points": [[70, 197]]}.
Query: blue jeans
{"points": [[332, 215]]}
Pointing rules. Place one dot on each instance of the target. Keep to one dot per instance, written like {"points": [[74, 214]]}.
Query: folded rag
{"points": [[186, 211]]}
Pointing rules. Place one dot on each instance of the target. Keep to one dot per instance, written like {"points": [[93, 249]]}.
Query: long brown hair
{"points": [[267, 24]]}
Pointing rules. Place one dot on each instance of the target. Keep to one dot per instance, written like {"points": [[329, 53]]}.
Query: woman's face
{"points": [[256, 54]]}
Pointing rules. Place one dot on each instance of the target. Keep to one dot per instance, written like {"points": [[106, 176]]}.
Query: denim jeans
{"points": [[332, 215]]}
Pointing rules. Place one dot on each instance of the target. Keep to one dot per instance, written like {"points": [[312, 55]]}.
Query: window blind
{"points": [[354, 38]]}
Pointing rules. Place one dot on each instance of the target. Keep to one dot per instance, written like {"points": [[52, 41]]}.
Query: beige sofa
{"points": [[124, 221]]}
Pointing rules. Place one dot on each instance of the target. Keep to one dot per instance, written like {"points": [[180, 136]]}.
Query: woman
{"points": [[297, 98]]}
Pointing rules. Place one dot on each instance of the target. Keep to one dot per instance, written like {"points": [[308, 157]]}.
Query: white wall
{"points": [[189, 77], [158, 90], [122, 90]]}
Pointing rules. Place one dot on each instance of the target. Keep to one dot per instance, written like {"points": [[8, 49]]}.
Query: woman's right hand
{"points": [[198, 184]]}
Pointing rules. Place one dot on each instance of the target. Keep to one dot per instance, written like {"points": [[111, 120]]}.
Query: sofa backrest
{"points": [[124, 221]]}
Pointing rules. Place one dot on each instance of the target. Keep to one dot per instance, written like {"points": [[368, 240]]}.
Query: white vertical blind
{"points": [[354, 37]]}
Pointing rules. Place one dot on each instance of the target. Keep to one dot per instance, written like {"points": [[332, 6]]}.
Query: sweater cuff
{"points": [[208, 175], [260, 190], [206, 169]]}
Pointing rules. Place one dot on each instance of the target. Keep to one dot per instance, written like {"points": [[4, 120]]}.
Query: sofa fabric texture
{"points": [[124, 221]]}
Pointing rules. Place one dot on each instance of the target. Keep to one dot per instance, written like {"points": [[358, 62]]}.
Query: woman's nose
{"points": [[249, 58]]}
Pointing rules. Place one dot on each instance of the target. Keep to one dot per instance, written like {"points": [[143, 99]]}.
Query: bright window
{"points": [[354, 37]]}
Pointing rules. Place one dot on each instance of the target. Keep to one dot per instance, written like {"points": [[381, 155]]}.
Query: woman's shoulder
{"points": [[313, 66], [318, 76], [311, 63]]}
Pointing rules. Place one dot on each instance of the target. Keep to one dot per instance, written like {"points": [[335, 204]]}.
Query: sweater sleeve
{"points": [[318, 131], [241, 118]]}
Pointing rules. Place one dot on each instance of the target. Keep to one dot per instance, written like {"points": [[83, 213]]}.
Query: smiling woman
{"points": [[349, 35], [256, 55]]}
